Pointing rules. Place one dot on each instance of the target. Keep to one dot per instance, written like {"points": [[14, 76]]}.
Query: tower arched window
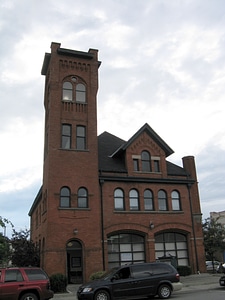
{"points": [[80, 93], [67, 91], [175, 200], [134, 199], [146, 161], [162, 200], [65, 196], [148, 200], [118, 199], [82, 199]]}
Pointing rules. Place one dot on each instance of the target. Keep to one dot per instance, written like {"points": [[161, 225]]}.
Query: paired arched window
{"points": [[82, 198], [74, 91], [119, 199], [175, 200], [134, 199], [65, 197], [162, 200], [145, 161], [148, 200]]}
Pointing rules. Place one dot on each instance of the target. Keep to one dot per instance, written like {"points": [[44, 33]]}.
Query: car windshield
{"points": [[109, 273]]}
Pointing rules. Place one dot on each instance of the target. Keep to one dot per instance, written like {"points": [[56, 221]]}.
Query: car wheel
{"points": [[29, 296], [164, 291], [102, 295]]}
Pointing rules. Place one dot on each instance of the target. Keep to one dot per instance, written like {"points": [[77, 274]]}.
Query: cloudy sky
{"points": [[163, 63]]}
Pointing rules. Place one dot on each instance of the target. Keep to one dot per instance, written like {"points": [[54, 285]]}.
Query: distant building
{"points": [[105, 201], [220, 216]]}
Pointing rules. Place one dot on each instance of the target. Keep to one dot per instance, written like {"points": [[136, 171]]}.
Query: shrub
{"points": [[96, 275], [58, 283], [184, 270]]}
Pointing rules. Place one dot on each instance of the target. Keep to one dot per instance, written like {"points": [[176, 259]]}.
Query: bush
{"points": [[96, 275], [58, 283], [184, 270]]}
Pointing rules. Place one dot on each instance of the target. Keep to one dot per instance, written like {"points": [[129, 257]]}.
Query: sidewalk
{"points": [[192, 282]]}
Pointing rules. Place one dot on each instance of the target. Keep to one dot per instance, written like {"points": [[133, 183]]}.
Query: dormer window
{"points": [[146, 161]]}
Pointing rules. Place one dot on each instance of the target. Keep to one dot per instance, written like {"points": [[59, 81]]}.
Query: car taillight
{"points": [[178, 277]]}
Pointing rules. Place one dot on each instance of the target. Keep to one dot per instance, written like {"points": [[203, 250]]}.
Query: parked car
{"points": [[222, 278], [209, 265], [24, 283], [133, 281]]}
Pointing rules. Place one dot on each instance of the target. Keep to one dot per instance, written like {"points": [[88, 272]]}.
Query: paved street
{"points": [[190, 283]]}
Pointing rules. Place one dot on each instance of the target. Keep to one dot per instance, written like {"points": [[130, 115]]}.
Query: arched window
{"points": [[162, 200], [148, 200], [172, 244], [65, 197], [175, 200], [82, 199], [118, 199], [134, 199], [80, 93], [125, 248], [146, 161], [67, 91]]}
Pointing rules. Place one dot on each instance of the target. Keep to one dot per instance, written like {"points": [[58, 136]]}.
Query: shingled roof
{"points": [[111, 152]]}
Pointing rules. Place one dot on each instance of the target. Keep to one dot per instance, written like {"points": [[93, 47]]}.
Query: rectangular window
{"points": [[156, 166], [81, 138], [66, 136], [136, 165]]}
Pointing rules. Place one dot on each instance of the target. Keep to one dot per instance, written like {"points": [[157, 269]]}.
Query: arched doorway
{"points": [[74, 261]]}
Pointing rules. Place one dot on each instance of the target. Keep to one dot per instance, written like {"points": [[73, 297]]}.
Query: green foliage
{"points": [[4, 221], [25, 253], [96, 275], [214, 234], [58, 283], [184, 270], [4, 251]]}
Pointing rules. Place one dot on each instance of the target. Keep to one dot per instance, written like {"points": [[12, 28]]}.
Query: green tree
{"points": [[25, 253], [4, 243], [214, 234]]}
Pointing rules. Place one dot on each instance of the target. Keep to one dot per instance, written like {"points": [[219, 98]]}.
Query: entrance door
{"points": [[74, 262]]}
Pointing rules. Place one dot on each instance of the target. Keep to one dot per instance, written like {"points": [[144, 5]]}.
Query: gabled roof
{"points": [[145, 128]]}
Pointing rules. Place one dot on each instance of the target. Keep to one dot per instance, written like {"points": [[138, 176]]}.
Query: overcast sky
{"points": [[163, 63]]}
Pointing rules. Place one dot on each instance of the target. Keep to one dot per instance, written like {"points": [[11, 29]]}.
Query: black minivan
{"points": [[132, 282]]}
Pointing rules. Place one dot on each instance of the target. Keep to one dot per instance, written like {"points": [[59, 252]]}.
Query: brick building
{"points": [[105, 201]]}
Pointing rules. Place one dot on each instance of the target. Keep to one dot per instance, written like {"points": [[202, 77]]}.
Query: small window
{"points": [[66, 136], [13, 276], [146, 161], [65, 197], [81, 138], [80, 93], [156, 166], [136, 164], [134, 200], [162, 200], [148, 200], [175, 200], [82, 200], [118, 199], [67, 91]]}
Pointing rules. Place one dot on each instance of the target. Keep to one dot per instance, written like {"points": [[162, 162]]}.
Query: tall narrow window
{"points": [[148, 200], [136, 165], [81, 138], [118, 199], [66, 136], [146, 161], [175, 200], [67, 91], [134, 200], [82, 200], [156, 166], [162, 200], [65, 197], [80, 93]]}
